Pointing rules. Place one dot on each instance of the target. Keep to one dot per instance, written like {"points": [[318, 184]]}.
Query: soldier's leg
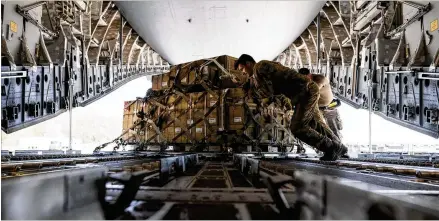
{"points": [[333, 121], [321, 125], [314, 133], [307, 110], [307, 118]]}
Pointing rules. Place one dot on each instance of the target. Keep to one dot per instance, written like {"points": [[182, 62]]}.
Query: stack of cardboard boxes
{"points": [[130, 118], [198, 117]]}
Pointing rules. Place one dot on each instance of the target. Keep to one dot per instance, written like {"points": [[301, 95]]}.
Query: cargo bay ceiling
{"points": [[183, 31], [378, 55]]}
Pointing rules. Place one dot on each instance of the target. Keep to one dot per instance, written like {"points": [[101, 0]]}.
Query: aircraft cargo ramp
{"points": [[172, 185]]}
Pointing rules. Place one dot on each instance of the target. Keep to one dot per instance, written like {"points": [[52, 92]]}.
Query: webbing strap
{"points": [[197, 121], [167, 111]]}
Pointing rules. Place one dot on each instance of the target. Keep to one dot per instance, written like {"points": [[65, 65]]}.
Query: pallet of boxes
{"points": [[198, 107]]}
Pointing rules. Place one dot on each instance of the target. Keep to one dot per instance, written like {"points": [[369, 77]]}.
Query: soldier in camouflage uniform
{"points": [[331, 115], [307, 124]]}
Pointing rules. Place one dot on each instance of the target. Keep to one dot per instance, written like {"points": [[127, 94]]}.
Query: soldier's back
{"points": [[326, 95], [275, 79]]}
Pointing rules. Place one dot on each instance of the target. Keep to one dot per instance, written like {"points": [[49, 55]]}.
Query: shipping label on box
{"points": [[164, 83], [212, 103], [212, 120], [189, 122], [199, 130], [237, 119], [272, 149], [177, 130]]}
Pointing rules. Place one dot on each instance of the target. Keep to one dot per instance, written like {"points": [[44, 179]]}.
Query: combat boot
{"points": [[335, 153]]}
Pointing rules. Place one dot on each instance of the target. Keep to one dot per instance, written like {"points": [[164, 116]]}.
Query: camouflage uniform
{"points": [[333, 120], [307, 123]]}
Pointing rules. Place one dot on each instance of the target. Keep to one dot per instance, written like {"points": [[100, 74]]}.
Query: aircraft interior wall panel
{"points": [[64, 89], [382, 89], [94, 79], [104, 77], [118, 75], [31, 31], [90, 89], [128, 72], [385, 50], [324, 71], [98, 83], [349, 82], [338, 81], [413, 32], [49, 93], [131, 71], [110, 74], [328, 69], [342, 81], [334, 80], [430, 103], [78, 86], [376, 88], [12, 100], [393, 95], [363, 90], [33, 94], [315, 68], [330, 74], [124, 73], [115, 74], [410, 98], [58, 85]]}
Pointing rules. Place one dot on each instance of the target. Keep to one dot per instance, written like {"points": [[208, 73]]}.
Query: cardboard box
{"points": [[169, 133], [178, 102], [212, 100], [213, 118], [200, 100], [236, 93], [199, 131], [165, 82], [227, 62], [150, 132], [250, 132], [209, 72], [190, 78], [236, 115], [156, 82], [180, 125], [182, 76], [230, 63], [183, 104], [212, 134]]}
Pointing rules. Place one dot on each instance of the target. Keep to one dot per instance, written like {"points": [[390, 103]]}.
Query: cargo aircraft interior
{"points": [[243, 116]]}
